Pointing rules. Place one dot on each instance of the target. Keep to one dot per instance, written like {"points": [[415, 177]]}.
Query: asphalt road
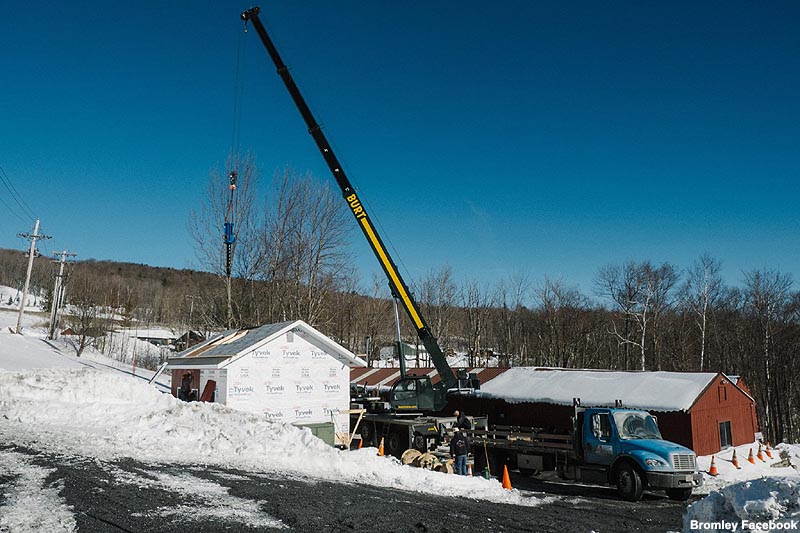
{"points": [[131, 496]]}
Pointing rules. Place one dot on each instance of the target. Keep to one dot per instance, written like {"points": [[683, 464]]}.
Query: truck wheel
{"points": [[680, 495], [367, 434], [394, 445], [629, 483]]}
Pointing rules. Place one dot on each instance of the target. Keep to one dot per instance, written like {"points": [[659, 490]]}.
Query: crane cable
{"points": [[238, 92], [229, 237]]}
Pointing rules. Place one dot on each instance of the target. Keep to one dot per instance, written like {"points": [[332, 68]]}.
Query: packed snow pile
{"points": [[763, 495], [108, 415], [766, 504], [783, 463]]}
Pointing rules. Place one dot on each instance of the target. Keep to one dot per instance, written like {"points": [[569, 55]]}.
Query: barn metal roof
{"points": [[658, 391]]}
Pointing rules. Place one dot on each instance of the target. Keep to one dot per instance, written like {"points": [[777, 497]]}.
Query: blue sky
{"points": [[550, 138]]}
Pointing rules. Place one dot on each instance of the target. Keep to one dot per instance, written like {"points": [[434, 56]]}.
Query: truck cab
{"points": [[625, 447]]}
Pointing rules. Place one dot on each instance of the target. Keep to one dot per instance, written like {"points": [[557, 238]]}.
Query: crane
{"points": [[410, 392]]}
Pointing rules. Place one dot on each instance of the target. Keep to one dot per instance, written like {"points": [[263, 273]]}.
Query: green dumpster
{"points": [[324, 431]]}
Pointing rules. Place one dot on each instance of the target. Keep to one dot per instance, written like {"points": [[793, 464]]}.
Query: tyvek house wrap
{"points": [[290, 372]]}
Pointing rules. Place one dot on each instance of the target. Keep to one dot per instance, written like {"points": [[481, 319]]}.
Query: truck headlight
{"points": [[655, 462]]}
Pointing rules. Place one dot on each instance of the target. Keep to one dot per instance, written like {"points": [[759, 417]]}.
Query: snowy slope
{"points": [[53, 401], [33, 350], [22, 353], [107, 414]]}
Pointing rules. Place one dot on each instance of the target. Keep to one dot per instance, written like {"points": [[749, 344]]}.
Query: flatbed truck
{"points": [[610, 446]]}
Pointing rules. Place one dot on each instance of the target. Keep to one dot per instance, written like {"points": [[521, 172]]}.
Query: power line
{"points": [[15, 195], [12, 211]]}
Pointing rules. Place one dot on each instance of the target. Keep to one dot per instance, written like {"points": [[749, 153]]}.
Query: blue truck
{"points": [[613, 446]]}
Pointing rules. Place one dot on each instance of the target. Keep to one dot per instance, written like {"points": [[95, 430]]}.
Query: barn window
{"points": [[723, 393], [725, 439]]}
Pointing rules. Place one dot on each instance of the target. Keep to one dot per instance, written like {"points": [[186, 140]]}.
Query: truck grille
{"points": [[683, 461]]}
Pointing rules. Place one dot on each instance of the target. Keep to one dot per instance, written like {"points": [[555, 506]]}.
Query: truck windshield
{"points": [[633, 425]]}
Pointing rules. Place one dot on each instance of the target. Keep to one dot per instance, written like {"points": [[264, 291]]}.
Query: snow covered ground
{"points": [[761, 496], [52, 401]]}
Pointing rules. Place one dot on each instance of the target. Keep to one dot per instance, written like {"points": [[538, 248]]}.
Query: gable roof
{"points": [[223, 349], [657, 391]]}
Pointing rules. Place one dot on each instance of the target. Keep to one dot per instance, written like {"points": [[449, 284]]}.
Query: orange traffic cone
{"points": [[760, 454], [750, 458], [769, 450], [469, 470], [506, 479], [380, 448], [360, 442], [735, 461], [712, 470]]}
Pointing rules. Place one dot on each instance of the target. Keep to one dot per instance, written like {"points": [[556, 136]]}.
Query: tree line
{"points": [[292, 261]]}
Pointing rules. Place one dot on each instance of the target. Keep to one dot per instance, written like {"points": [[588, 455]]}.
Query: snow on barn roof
{"points": [[657, 391], [226, 347]]}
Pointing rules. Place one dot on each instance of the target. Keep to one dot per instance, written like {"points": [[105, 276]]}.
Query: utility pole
{"points": [[191, 298], [229, 239], [58, 293], [31, 253]]}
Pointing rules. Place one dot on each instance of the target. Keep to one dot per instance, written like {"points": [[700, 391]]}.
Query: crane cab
{"points": [[413, 393]]}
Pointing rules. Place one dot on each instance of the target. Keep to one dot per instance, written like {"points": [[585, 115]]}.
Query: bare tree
{"points": [[511, 294], [641, 292], [206, 223], [700, 292], [304, 245], [620, 285], [438, 297], [767, 299], [476, 300], [563, 330], [376, 318], [84, 313]]}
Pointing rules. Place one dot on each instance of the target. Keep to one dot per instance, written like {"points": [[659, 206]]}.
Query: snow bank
{"points": [[773, 503], [109, 415], [783, 457], [766, 493]]}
